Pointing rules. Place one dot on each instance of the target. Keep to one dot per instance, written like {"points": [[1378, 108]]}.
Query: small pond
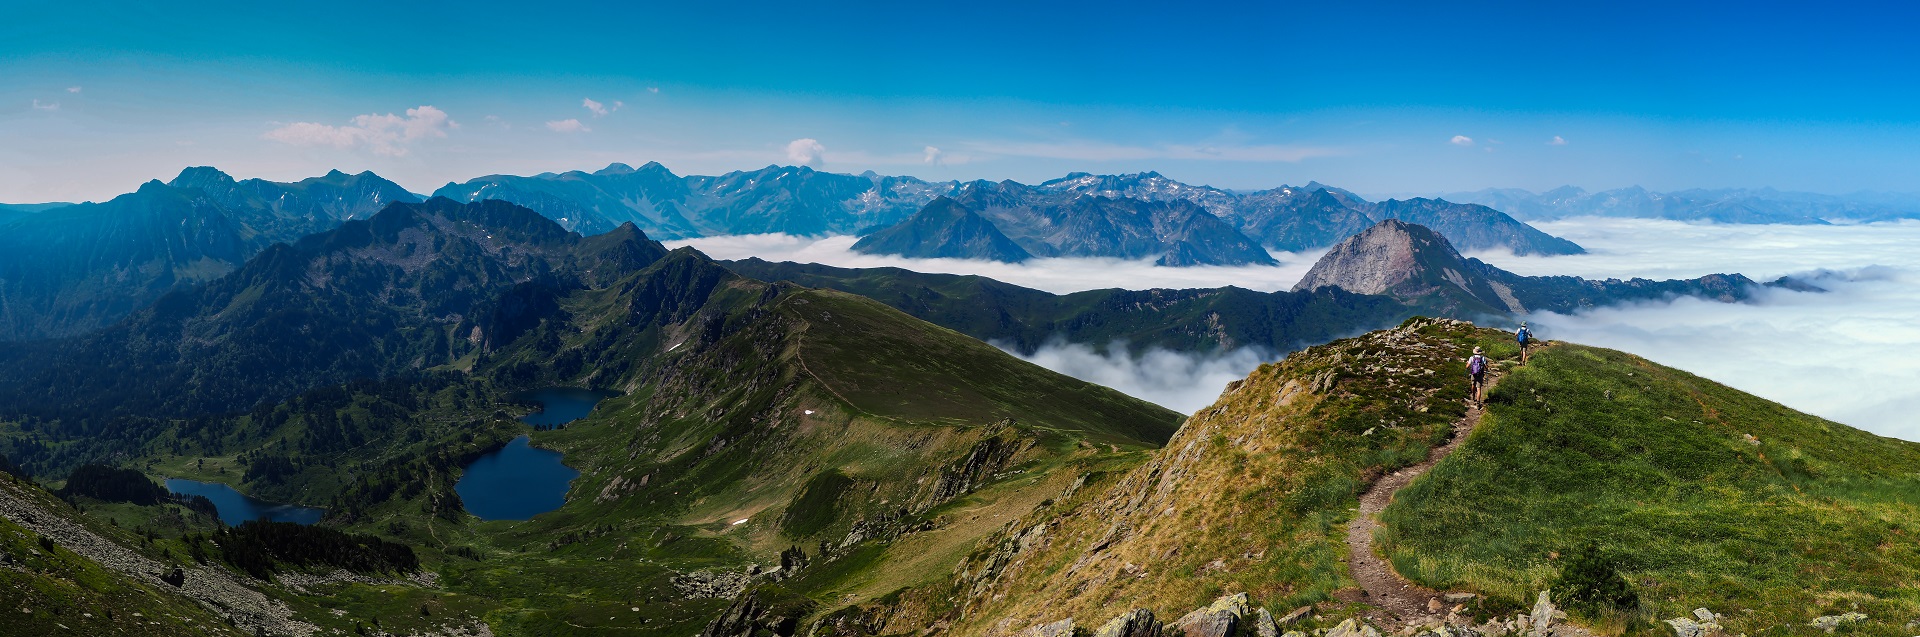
{"points": [[519, 481], [236, 507]]}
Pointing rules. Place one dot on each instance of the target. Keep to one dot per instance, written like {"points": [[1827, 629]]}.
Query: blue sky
{"points": [[1377, 97]]}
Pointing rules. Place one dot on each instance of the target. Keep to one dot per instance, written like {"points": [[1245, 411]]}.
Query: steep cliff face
{"points": [[1407, 262]]}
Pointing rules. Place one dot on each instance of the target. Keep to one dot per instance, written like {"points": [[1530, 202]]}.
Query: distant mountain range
{"points": [[1731, 205], [985, 218], [69, 269], [1316, 215], [803, 201], [786, 199]]}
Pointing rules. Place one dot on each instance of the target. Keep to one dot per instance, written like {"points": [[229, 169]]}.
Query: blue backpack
{"points": [[1523, 336]]}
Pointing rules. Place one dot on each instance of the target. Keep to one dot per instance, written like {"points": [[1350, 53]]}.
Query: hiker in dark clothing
{"points": [[1525, 337], [1477, 370]]}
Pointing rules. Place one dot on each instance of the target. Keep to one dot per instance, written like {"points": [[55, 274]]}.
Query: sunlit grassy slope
{"points": [[1708, 496]]}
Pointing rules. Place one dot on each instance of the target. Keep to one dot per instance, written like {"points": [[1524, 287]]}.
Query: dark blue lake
{"points": [[236, 507], [561, 405], [515, 482], [518, 481]]}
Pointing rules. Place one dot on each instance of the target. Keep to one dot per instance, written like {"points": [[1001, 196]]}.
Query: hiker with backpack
{"points": [[1525, 337], [1477, 370]]}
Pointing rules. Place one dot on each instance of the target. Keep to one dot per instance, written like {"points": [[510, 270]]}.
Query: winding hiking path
{"points": [[1395, 600]]}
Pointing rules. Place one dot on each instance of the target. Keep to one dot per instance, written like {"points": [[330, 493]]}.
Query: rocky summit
{"points": [[1420, 267]]}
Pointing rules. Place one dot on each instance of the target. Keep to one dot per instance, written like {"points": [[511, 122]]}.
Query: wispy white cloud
{"points": [[653, 89], [568, 125], [1103, 151], [806, 151], [1461, 140], [495, 120], [387, 135], [933, 156], [601, 110], [45, 106], [1557, 141], [73, 89]]}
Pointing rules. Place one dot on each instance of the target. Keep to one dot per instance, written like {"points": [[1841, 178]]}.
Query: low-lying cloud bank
{"points": [[1851, 354], [1183, 382], [1059, 276]]}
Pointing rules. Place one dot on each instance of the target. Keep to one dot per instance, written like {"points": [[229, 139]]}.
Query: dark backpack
{"points": [[1477, 365]]}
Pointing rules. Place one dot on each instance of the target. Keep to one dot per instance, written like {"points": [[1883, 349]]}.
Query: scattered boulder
{"points": [[1263, 624], [1138, 622], [1353, 628], [1296, 616], [1704, 623], [1541, 619], [1832, 623], [1219, 619], [1062, 628]]}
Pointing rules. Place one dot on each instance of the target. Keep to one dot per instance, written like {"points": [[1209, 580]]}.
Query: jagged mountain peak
{"points": [[615, 168], [200, 177], [1381, 258]]}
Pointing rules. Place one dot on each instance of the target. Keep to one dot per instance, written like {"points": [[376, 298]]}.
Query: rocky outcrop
{"points": [[762, 611], [1219, 619], [219, 590], [1831, 623], [1138, 622], [1420, 267]]}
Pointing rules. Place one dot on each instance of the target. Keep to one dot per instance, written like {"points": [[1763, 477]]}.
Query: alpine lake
{"points": [[519, 481], [515, 482]]}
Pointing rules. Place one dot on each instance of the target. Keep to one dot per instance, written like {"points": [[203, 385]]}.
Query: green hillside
{"points": [[1704, 495]]}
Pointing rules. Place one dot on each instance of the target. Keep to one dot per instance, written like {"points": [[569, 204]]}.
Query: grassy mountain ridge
{"points": [[1706, 496], [1025, 319], [1806, 519]]}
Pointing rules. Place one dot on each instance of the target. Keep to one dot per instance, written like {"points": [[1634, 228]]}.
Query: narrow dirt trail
{"points": [[1395, 600]]}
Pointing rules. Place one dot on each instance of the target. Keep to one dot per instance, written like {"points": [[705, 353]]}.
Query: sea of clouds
{"points": [[1851, 354]]}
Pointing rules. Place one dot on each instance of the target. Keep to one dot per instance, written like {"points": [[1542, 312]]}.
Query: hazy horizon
{"points": [[1412, 99]]}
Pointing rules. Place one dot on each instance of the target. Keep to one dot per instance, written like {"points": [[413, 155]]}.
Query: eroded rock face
{"points": [[1138, 622], [1375, 261], [1219, 619]]}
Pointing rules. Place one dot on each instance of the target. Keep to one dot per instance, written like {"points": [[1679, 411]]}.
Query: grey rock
{"points": [[1296, 616], [1219, 619], [1138, 622], [1353, 628], [1543, 613], [1062, 628], [1832, 623], [1263, 624]]}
